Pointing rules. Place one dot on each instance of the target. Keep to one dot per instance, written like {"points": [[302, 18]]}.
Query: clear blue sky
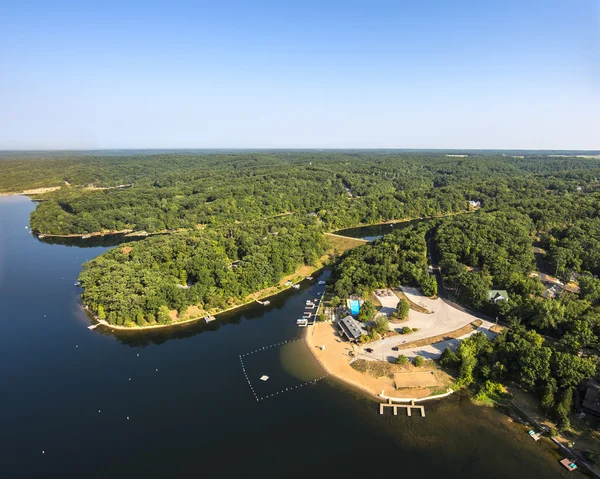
{"points": [[323, 74]]}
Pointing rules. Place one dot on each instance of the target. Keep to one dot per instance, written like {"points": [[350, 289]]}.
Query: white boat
{"points": [[209, 318], [309, 278], [309, 302], [77, 283], [296, 286], [321, 282], [301, 322], [264, 303]]}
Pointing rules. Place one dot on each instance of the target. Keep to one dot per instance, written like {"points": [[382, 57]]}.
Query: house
{"points": [[495, 295], [474, 204], [552, 292], [351, 328], [591, 400]]}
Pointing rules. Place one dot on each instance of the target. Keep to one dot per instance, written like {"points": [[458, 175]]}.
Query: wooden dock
{"points": [[395, 406]]}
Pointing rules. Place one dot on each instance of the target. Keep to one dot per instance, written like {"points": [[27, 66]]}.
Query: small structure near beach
{"points": [[351, 328]]}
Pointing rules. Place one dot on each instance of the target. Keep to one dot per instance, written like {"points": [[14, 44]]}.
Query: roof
{"points": [[591, 401], [352, 328], [495, 294]]}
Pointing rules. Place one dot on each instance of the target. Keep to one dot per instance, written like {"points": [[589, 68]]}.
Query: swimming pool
{"points": [[354, 306]]}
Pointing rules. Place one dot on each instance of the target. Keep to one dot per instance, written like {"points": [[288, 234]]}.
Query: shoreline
{"points": [[379, 388], [132, 232], [347, 382], [105, 323]]}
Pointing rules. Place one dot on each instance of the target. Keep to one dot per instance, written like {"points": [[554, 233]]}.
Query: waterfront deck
{"points": [[408, 407]]}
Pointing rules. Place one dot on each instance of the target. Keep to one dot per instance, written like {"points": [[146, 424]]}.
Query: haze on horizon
{"points": [[183, 74]]}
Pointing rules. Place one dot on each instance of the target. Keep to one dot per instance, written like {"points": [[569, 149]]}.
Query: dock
{"points": [[409, 407]]}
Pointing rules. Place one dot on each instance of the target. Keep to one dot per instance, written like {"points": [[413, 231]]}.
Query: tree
{"points": [[335, 301], [101, 312], [402, 310], [418, 361], [449, 359], [563, 409], [367, 311], [402, 360], [382, 325], [183, 277], [163, 315]]}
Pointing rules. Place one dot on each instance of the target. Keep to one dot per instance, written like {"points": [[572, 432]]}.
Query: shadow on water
{"points": [[106, 241]]}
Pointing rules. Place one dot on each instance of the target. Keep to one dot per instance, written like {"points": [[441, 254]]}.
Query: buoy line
{"points": [[281, 391]]}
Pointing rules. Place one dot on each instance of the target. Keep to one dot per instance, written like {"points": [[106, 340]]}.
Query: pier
{"points": [[408, 407]]}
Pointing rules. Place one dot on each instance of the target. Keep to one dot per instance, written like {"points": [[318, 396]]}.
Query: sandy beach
{"points": [[336, 361]]}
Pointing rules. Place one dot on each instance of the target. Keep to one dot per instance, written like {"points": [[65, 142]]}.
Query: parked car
{"points": [[395, 348], [368, 350]]}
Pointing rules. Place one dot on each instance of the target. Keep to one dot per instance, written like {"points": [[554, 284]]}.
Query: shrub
{"points": [[418, 361], [402, 360], [490, 392], [381, 325], [405, 330]]}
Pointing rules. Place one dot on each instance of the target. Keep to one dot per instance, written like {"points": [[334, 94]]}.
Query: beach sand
{"points": [[336, 361]]}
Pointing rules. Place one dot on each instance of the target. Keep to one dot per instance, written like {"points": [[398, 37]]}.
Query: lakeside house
{"points": [[351, 328], [495, 295], [591, 399], [474, 204]]}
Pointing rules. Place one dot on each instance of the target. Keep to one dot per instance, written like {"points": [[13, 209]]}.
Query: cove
{"points": [[176, 402]]}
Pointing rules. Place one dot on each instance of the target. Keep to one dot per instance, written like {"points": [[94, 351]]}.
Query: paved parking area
{"points": [[443, 319]]}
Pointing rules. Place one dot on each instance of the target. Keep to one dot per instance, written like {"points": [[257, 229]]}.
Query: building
{"points": [[351, 328], [474, 204], [591, 400], [495, 295]]}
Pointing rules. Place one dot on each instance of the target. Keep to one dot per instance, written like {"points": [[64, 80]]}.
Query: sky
{"points": [[308, 74]]}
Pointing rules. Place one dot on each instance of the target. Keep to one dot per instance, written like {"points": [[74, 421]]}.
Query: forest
{"points": [[246, 219], [397, 258], [139, 283]]}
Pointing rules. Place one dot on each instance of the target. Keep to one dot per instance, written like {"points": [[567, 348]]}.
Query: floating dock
{"points": [[395, 406]]}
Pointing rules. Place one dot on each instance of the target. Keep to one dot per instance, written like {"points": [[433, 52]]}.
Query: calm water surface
{"points": [[183, 407]]}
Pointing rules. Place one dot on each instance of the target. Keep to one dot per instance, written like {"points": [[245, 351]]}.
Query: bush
{"points": [[321, 317], [381, 325], [490, 392], [405, 330], [402, 360], [418, 361]]}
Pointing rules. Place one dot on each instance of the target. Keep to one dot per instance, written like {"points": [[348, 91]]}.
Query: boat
{"points": [[321, 282], [264, 303], [86, 236], [296, 286], [309, 302], [534, 435], [209, 318], [77, 283], [309, 278], [568, 464], [302, 322]]}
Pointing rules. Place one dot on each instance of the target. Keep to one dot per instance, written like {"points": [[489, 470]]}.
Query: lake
{"points": [[176, 402]]}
